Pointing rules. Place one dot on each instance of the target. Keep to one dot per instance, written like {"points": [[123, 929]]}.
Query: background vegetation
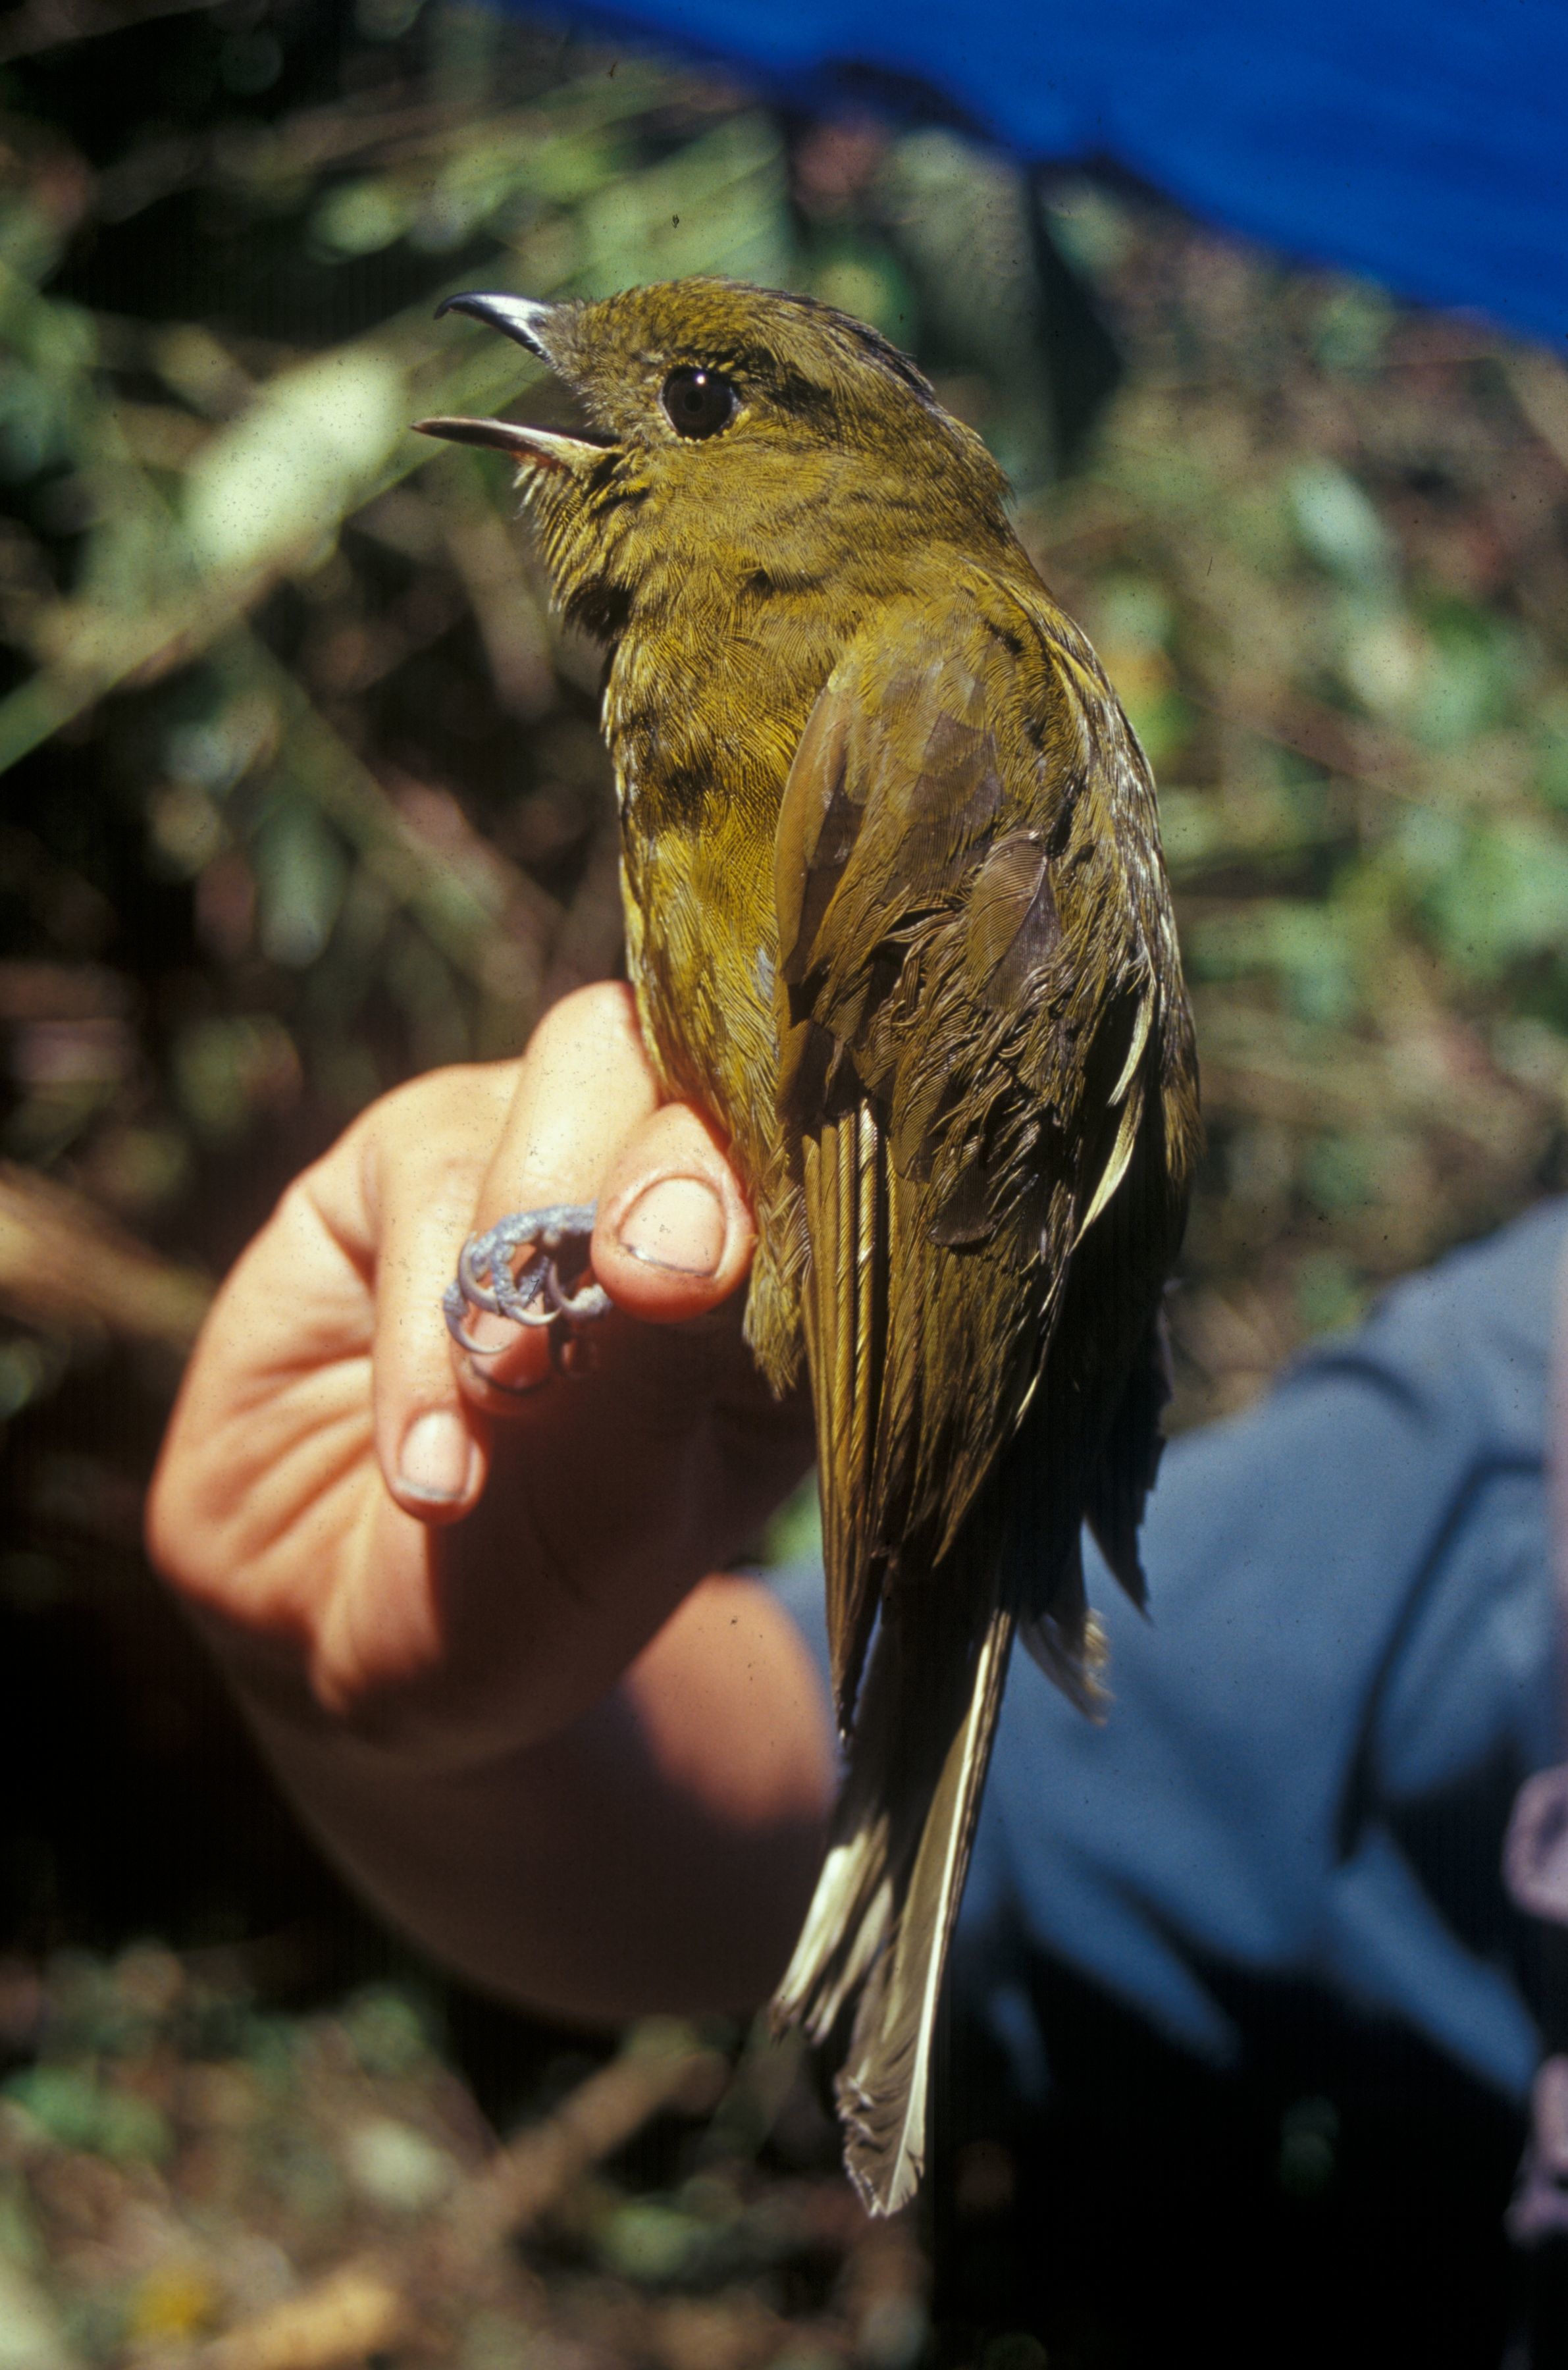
{"points": [[303, 792]]}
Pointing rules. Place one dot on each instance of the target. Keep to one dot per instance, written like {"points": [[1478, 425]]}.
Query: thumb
{"points": [[675, 1233]]}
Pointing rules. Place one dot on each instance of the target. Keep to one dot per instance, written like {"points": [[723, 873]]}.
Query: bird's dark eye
{"points": [[697, 402]]}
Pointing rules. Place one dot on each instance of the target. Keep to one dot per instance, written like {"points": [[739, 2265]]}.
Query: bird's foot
{"points": [[550, 1287]]}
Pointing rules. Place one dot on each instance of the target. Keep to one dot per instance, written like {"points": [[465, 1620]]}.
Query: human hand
{"points": [[455, 1556]]}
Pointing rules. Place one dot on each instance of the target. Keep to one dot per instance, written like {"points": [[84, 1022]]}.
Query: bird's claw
{"points": [[547, 1291]]}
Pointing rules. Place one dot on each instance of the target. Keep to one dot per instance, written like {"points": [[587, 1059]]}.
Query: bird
{"points": [[898, 923]]}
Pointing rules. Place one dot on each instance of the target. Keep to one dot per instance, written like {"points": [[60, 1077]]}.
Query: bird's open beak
{"points": [[527, 322], [540, 446], [522, 318]]}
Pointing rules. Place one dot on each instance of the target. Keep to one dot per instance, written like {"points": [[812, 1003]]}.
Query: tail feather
{"points": [[887, 1900], [846, 1926], [1064, 1639], [884, 2087], [855, 1904]]}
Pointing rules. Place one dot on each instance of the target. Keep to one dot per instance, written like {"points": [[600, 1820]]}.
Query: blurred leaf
{"points": [[794, 1535], [653, 2242], [77, 2112], [361, 217], [302, 872], [309, 448], [1307, 947], [1471, 677], [718, 206], [389, 2029], [1351, 333], [226, 1070], [1338, 525], [395, 2166], [1329, 1296], [1503, 893], [32, 2335]]}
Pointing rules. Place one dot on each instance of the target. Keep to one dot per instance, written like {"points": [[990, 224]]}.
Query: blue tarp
{"points": [[1421, 142]]}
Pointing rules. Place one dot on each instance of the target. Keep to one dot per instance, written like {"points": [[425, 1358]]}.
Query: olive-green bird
{"points": [[897, 920]]}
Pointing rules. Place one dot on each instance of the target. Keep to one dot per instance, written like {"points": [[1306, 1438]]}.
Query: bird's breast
{"points": [[703, 710]]}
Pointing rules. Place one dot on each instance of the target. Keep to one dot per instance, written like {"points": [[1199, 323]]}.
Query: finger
{"points": [[585, 1084], [674, 1234], [422, 1165]]}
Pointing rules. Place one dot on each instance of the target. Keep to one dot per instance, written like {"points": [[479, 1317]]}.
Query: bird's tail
{"points": [[877, 1933]]}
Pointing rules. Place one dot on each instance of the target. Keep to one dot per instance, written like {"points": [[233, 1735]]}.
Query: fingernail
{"points": [[679, 1224], [435, 1463], [489, 1333]]}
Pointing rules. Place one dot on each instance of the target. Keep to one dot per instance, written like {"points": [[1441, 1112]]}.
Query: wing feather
{"points": [[981, 1028], [843, 1330]]}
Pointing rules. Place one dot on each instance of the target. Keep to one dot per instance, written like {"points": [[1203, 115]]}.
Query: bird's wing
{"points": [[971, 1019], [986, 1069]]}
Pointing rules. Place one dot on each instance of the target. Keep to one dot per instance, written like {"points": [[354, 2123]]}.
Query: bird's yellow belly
{"points": [[701, 947]]}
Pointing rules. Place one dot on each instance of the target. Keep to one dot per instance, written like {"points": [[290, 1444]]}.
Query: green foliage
{"points": [[74, 2111]]}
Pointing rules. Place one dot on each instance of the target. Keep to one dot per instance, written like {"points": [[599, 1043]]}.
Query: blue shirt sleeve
{"points": [[1313, 1740]]}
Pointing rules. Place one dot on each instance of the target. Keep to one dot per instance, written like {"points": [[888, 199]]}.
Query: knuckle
{"points": [[456, 1082], [604, 1001], [299, 1200], [589, 1022], [449, 1178], [461, 1107]]}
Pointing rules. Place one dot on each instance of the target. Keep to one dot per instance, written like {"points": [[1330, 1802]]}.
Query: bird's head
{"points": [[737, 435]]}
